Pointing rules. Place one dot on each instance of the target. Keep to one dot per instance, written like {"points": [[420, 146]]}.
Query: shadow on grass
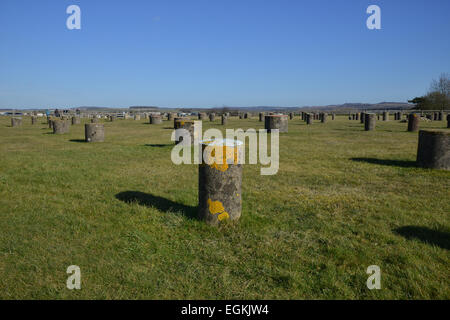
{"points": [[159, 145], [426, 235], [160, 203], [387, 162], [77, 140]]}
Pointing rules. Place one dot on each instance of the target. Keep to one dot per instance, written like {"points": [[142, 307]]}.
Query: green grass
{"points": [[342, 200]]}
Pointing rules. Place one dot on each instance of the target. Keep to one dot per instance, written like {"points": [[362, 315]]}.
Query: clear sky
{"points": [[210, 53]]}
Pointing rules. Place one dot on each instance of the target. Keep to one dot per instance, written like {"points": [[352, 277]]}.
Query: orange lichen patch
{"points": [[224, 156], [217, 207], [223, 216]]}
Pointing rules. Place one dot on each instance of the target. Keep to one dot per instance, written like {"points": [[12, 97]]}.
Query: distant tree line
{"points": [[438, 97]]}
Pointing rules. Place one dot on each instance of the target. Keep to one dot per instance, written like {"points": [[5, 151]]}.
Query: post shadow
{"points": [[159, 145], [77, 140], [426, 235], [160, 203], [387, 162]]}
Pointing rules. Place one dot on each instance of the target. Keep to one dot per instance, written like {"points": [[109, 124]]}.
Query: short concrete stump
{"points": [[137, 117], [261, 116], [94, 132], [369, 121], [363, 117], [224, 120], [324, 117], [60, 126], [309, 118], [16, 122], [279, 122], [212, 116], [434, 149], [202, 116], [413, 122], [220, 182], [171, 116], [33, 120], [75, 120], [385, 116], [155, 119], [187, 124]]}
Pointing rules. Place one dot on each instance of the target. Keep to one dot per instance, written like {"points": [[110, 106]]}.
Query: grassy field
{"points": [[342, 200]]}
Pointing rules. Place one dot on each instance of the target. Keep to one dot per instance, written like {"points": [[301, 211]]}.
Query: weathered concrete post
{"points": [[202, 116], [261, 116], [246, 115], [413, 122], [440, 116], [279, 122], [385, 116], [332, 116], [434, 149], [16, 122], [137, 117], [220, 182], [362, 117], [33, 119], [183, 123], [353, 116], [369, 121], [378, 116], [324, 117], [170, 116], [224, 120], [357, 116], [155, 119], [291, 115], [94, 132], [212, 116], [309, 119], [75, 120], [60, 126]]}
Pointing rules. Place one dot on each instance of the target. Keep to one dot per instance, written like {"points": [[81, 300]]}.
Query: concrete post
{"points": [[434, 149], [220, 182], [94, 132]]}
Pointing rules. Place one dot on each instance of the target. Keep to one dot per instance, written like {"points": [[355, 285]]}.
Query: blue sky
{"points": [[210, 53]]}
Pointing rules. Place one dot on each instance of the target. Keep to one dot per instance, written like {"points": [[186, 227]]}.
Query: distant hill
{"points": [[335, 107]]}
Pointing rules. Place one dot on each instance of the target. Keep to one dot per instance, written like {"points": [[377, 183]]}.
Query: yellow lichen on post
{"points": [[217, 207], [223, 157], [223, 216]]}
